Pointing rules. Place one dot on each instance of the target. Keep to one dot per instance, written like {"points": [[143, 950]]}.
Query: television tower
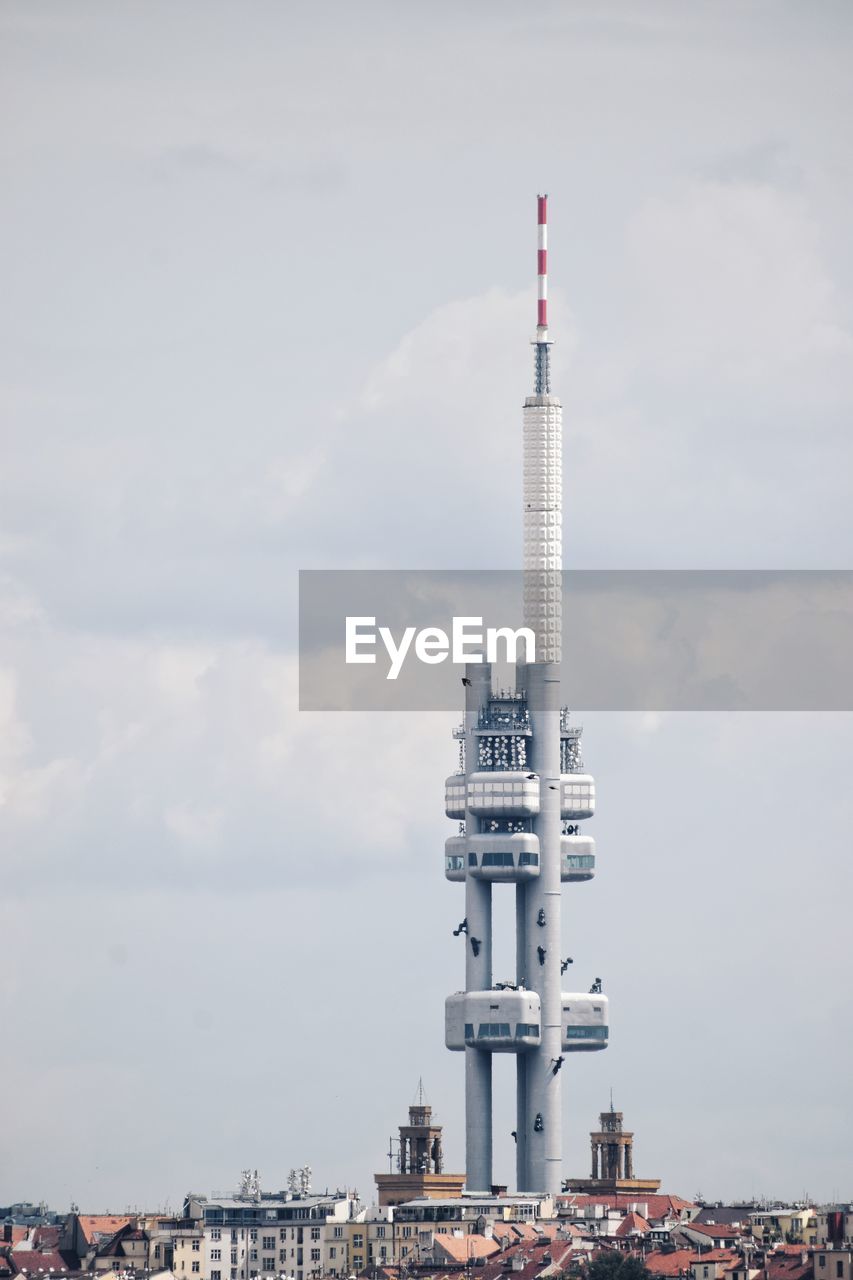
{"points": [[519, 795]]}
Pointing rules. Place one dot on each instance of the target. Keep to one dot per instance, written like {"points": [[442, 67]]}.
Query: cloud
{"points": [[731, 278]]}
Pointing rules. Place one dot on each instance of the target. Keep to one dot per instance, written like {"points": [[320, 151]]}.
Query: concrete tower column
{"points": [[478, 967], [542, 1119]]}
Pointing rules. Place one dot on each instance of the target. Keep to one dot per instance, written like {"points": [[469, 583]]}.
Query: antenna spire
{"points": [[542, 341]]}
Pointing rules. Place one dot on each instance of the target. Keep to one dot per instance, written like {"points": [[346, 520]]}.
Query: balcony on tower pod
{"points": [[577, 796], [577, 855], [501, 1020], [508, 793], [505, 855], [585, 1021]]}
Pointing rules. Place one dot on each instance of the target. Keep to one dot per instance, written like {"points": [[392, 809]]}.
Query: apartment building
{"points": [[258, 1237]]}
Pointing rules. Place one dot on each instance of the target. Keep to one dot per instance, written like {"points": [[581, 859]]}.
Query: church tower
{"points": [[612, 1160], [420, 1160]]}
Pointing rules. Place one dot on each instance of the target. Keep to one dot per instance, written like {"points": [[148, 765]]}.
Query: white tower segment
{"points": [[521, 792], [543, 482]]}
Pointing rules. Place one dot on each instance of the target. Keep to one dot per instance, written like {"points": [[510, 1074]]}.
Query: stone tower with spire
{"points": [[419, 1160], [612, 1160]]}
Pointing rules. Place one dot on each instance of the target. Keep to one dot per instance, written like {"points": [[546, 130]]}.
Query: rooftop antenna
{"points": [[420, 1098]]}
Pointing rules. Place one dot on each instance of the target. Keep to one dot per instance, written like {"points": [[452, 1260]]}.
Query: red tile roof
{"points": [[461, 1248], [670, 1264], [657, 1206], [47, 1237], [32, 1261], [630, 1223], [680, 1260], [514, 1231], [788, 1266], [100, 1224], [535, 1263]]}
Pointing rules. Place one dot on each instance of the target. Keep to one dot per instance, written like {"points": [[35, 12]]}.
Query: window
{"points": [[358, 1242], [216, 1275], [839, 1268], [216, 1233], [234, 1236], [469, 1031], [380, 1231], [253, 1235], [268, 1264], [526, 859], [269, 1242], [472, 859], [315, 1255], [821, 1262], [498, 860], [383, 1252], [586, 1033], [407, 1231], [196, 1266], [233, 1273], [580, 861], [282, 1255], [454, 862], [156, 1251], [196, 1246], [338, 1233], [215, 1255], [233, 1257], [526, 1029], [253, 1255], [283, 1233], [315, 1233], [333, 1253], [488, 1029]]}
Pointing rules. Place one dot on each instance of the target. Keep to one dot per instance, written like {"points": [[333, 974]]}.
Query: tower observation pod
{"points": [[520, 796]]}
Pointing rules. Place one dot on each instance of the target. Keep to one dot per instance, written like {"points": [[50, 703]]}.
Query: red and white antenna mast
{"points": [[542, 341]]}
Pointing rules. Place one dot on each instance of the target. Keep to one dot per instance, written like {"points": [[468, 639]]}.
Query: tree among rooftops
{"points": [[616, 1266]]}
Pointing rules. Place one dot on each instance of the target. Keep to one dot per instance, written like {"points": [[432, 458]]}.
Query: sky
{"points": [[268, 295]]}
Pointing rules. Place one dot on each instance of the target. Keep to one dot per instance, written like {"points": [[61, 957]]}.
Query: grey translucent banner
{"points": [[632, 641]]}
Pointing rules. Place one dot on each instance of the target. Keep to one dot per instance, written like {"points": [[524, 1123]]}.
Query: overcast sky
{"points": [[267, 301]]}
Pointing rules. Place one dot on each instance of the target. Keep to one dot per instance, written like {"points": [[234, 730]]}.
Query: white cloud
{"points": [[731, 279]]}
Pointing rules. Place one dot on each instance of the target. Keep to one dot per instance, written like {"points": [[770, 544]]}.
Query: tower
{"points": [[519, 795], [612, 1150], [420, 1160]]}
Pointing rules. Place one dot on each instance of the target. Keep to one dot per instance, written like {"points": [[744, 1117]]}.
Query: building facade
{"points": [[264, 1236]]}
